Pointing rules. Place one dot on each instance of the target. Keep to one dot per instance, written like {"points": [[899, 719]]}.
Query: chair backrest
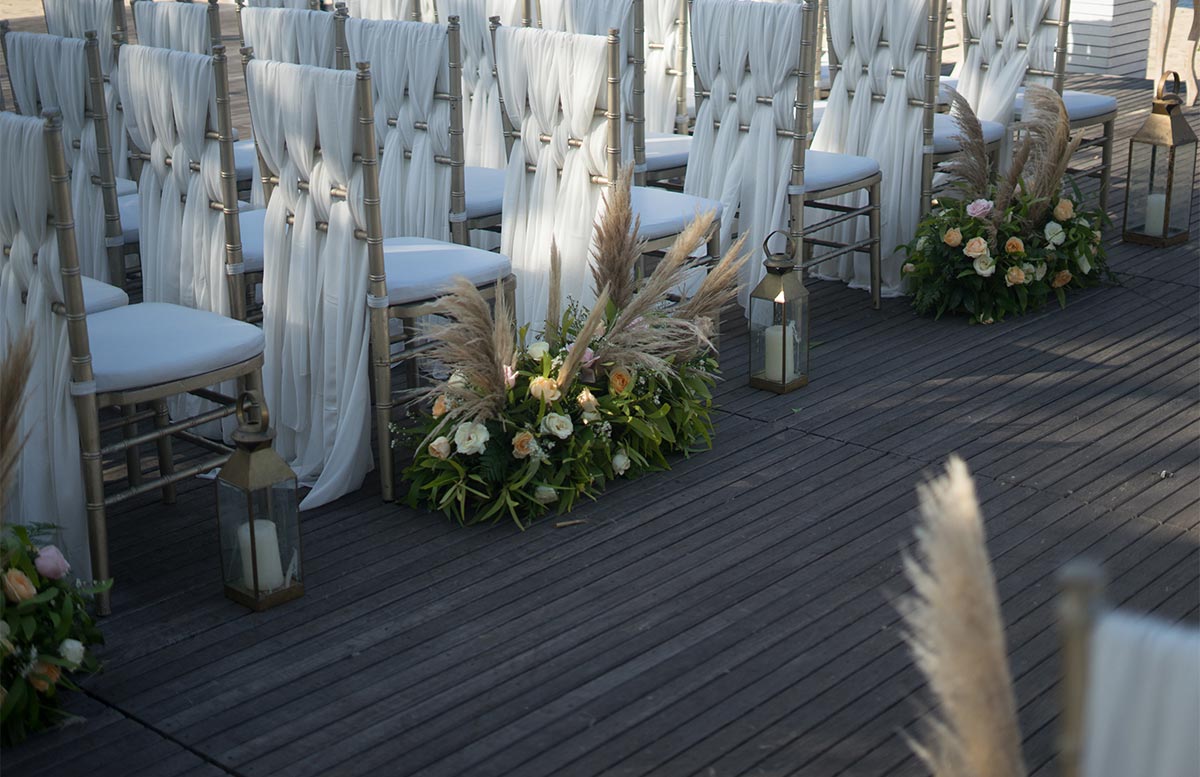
{"points": [[1009, 44], [53, 73], [310, 5], [1131, 687], [419, 120], [182, 26], [666, 64], [322, 244], [393, 10], [885, 61], [561, 96], [182, 131], [73, 18], [302, 37]]}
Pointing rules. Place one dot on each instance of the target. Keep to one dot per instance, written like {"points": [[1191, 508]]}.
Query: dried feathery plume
{"points": [[504, 339], [970, 166], [14, 374], [956, 635], [1045, 120], [618, 248], [554, 299], [591, 326], [479, 353], [1007, 187], [717, 290]]}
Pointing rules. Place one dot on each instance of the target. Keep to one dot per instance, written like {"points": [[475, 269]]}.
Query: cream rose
{"points": [[1014, 245], [458, 380], [545, 494], [1064, 210], [1014, 277], [953, 237], [909, 267], [620, 462], [985, 266], [976, 247], [440, 448], [588, 402], [537, 350], [545, 389], [1054, 233], [1029, 270], [619, 380], [524, 445], [471, 438], [1040, 272], [558, 425]]}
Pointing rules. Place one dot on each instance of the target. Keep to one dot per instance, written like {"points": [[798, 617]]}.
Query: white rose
{"points": [[71, 651], [620, 462], [545, 494], [537, 350], [1085, 266], [1055, 234], [558, 425], [1029, 271], [471, 438], [457, 379], [984, 266], [922, 243], [1040, 272], [440, 448]]}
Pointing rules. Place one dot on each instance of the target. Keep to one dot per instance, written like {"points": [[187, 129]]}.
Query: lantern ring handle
{"points": [[790, 246], [252, 412], [1160, 87]]}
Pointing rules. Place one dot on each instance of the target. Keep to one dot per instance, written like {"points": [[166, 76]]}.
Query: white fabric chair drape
{"points": [[73, 18], [876, 42], [48, 486], [315, 370], [287, 35], [409, 65], [559, 76], [1143, 699], [395, 10], [748, 171], [170, 25], [662, 88], [49, 72], [296, 4]]}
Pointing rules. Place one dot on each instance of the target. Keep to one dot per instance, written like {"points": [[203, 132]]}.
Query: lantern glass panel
{"points": [[274, 541], [779, 340], [1181, 189], [1147, 188]]}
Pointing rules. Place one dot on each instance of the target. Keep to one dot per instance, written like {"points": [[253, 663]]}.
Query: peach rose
{"points": [[524, 445], [619, 380], [440, 406], [953, 237], [545, 389], [42, 676], [976, 247], [1061, 279], [440, 448], [17, 586], [1014, 277], [1064, 210], [587, 401], [1014, 245]]}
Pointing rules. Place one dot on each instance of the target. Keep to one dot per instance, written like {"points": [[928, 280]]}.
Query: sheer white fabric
{"points": [[551, 82], [662, 87], [394, 10], [409, 65], [287, 35], [747, 171], [73, 18], [297, 4], [1143, 705], [170, 25], [889, 132], [49, 72], [48, 486], [315, 370]]}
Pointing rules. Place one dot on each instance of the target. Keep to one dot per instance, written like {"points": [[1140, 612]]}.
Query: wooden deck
{"points": [[733, 616]]}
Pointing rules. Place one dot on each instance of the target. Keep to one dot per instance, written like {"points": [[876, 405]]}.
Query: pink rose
{"points": [[50, 563], [510, 376], [979, 209], [589, 358]]}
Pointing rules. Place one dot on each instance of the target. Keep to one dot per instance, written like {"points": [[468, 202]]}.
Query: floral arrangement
{"points": [[1006, 247], [528, 424], [45, 628]]}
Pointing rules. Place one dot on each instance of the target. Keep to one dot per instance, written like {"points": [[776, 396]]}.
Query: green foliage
{"points": [[989, 267], [35, 664]]}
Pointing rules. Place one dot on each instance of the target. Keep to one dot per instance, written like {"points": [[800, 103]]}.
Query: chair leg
{"points": [[412, 367], [133, 456], [93, 485], [1106, 152], [876, 259], [166, 454], [381, 384], [714, 243]]}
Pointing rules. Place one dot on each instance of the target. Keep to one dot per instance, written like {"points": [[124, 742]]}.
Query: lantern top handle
{"points": [[780, 262], [1160, 92], [252, 414]]}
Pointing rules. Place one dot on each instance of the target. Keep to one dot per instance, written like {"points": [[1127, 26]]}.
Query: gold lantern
{"points": [[258, 515], [779, 325], [1162, 166]]}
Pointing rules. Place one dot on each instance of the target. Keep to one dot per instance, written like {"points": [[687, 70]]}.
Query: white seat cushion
{"points": [[251, 223], [1080, 105], [418, 268], [823, 170], [945, 130], [664, 213], [99, 296], [485, 191], [245, 159], [666, 152], [153, 343], [130, 209], [126, 186]]}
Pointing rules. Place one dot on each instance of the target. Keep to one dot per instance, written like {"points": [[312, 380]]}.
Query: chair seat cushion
{"points": [[664, 213], [245, 158], [99, 296], [666, 151], [485, 191], [1081, 106], [945, 131], [126, 186], [419, 268], [251, 225], [823, 170], [130, 208], [153, 343]]}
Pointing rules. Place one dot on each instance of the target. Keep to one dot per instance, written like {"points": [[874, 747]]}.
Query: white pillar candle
{"points": [[266, 553], [1156, 209], [780, 353]]}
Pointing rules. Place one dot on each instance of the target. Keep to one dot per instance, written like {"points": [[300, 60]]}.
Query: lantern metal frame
{"points": [[784, 277], [1165, 126]]}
